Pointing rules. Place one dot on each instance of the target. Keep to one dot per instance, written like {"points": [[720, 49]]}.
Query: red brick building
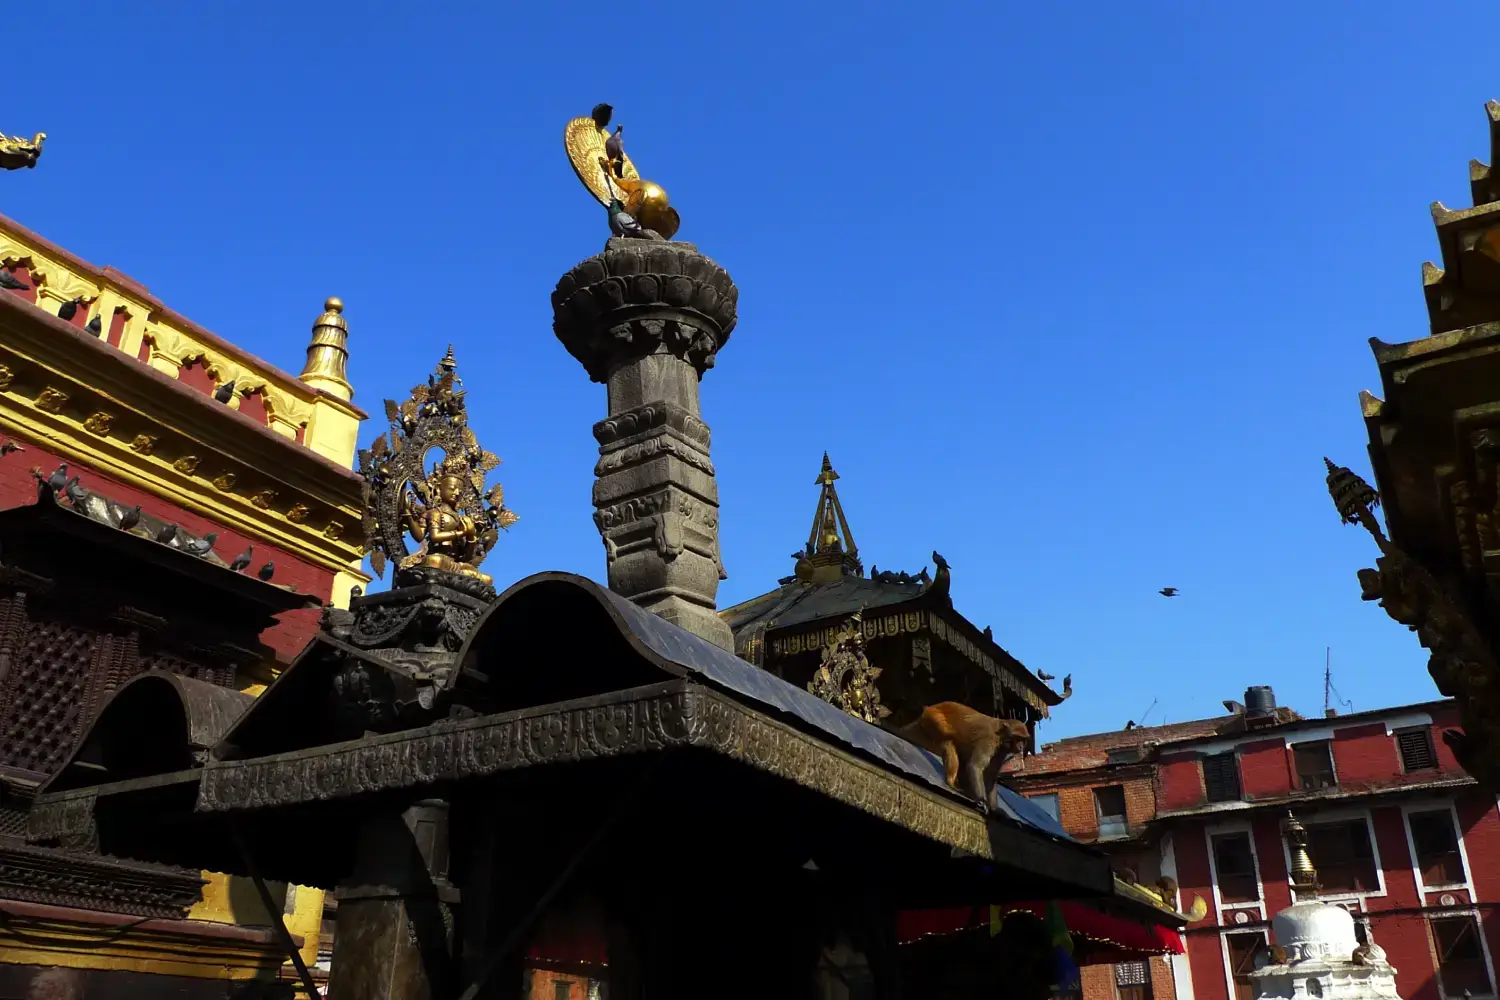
{"points": [[1399, 834]]}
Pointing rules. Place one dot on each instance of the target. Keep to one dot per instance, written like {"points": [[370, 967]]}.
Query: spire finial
{"points": [[449, 362], [328, 352], [830, 548], [1304, 875]]}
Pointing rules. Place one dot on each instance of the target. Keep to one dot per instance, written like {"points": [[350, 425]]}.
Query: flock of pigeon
{"points": [[68, 310], [59, 482]]}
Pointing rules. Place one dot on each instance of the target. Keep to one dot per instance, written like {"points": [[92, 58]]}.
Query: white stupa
{"points": [[1317, 954]]}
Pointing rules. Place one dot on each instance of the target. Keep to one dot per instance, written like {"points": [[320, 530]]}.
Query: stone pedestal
{"points": [[647, 319], [394, 937]]}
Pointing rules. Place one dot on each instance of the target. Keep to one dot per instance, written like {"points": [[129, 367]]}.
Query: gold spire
{"points": [[1304, 876], [831, 552], [328, 352]]}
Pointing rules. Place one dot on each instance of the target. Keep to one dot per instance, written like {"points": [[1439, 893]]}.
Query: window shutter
{"points": [[1417, 753], [1221, 777]]}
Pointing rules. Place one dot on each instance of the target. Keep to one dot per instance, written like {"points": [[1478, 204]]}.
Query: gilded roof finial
{"points": [[16, 152], [1304, 876], [328, 352], [638, 209], [449, 362], [831, 552]]}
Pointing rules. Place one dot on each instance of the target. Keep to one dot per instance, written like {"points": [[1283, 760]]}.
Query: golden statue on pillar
{"points": [[16, 152], [638, 208], [445, 509]]}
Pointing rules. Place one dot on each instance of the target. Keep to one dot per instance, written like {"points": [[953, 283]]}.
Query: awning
{"points": [[1108, 938]]}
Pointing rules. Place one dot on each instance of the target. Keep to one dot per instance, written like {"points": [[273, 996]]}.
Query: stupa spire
{"points": [[1304, 877]]}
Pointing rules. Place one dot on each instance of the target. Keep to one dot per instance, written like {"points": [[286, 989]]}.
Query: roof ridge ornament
{"points": [[17, 152], [445, 509], [830, 553]]}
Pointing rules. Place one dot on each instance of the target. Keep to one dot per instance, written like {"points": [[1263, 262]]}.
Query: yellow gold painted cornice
{"points": [[172, 340], [159, 947], [88, 402]]}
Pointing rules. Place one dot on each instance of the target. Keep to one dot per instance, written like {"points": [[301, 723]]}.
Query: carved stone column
{"points": [[647, 318], [394, 936]]}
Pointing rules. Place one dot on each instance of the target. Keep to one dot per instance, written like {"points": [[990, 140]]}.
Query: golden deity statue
{"points": [[637, 207], [449, 540], [16, 152], [446, 510]]}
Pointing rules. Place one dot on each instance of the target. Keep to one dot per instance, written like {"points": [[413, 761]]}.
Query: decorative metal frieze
{"points": [[65, 819], [845, 678], [916, 624], [445, 509], [62, 878], [676, 714]]}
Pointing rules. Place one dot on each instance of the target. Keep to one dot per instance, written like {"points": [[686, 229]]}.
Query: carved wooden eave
{"points": [[1434, 441], [89, 403], [642, 689]]}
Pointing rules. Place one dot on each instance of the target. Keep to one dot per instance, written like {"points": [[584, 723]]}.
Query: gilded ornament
{"points": [[846, 678], [51, 400], [99, 423], [17, 152], [145, 444], [298, 513], [6, 377], [224, 481], [187, 464], [600, 162], [333, 532], [263, 498], [445, 509]]}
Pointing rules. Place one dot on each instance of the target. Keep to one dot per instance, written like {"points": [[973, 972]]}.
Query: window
{"points": [[1242, 951], [1342, 854], [1125, 755], [1110, 802], [1314, 765], [1436, 844], [1048, 804], [562, 989], [1221, 777], [1416, 750], [1460, 959], [1234, 863], [1132, 981]]}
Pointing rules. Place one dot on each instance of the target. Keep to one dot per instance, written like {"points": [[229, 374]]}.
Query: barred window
{"points": [[1132, 981]]}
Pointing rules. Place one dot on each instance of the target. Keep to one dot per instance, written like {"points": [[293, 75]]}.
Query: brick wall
{"points": [[294, 629]]}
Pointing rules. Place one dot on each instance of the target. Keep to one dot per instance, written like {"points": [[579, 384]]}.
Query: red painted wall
{"points": [[1179, 780], [294, 628], [1264, 770]]}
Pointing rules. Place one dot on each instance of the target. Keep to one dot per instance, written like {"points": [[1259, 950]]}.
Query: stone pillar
{"points": [[646, 318], [394, 936]]}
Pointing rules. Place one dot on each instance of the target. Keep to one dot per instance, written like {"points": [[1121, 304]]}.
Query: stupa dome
{"points": [[1313, 929]]}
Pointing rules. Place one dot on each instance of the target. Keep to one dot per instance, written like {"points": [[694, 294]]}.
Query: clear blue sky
{"points": [[1076, 295]]}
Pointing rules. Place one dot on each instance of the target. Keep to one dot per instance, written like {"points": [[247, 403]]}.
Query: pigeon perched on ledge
{"points": [[8, 280]]}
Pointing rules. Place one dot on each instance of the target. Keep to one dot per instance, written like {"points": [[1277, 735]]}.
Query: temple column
{"points": [[394, 937], [647, 318]]}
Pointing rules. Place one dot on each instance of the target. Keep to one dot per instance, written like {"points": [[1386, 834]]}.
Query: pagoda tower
{"points": [[1435, 451]]}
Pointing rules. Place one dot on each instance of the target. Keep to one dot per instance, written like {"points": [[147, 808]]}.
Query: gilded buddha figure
{"points": [[449, 539]]}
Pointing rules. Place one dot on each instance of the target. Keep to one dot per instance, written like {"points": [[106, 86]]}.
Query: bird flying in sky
{"points": [[1168, 591]]}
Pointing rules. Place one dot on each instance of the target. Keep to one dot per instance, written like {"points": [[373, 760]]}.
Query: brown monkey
{"points": [[969, 742], [1167, 885]]}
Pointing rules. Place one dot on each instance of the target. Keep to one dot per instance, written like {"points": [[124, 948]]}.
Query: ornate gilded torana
{"points": [[443, 507], [846, 678]]}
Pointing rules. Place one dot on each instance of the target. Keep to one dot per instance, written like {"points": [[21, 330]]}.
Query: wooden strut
{"points": [[275, 911], [513, 938]]}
